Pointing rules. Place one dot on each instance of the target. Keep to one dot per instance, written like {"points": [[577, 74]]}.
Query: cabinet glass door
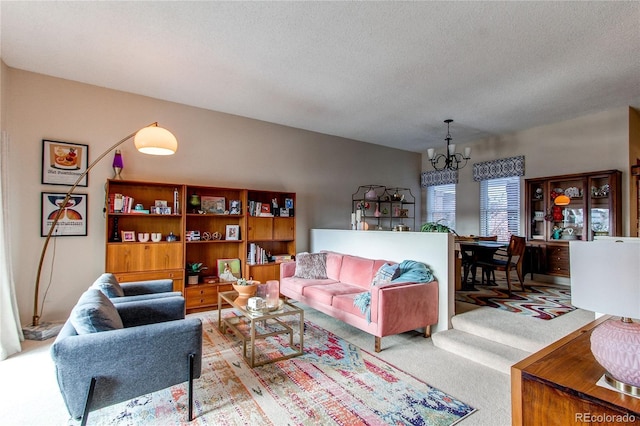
{"points": [[599, 217], [568, 221]]}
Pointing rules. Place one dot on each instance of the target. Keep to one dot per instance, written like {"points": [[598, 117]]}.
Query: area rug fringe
{"points": [[333, 383]]}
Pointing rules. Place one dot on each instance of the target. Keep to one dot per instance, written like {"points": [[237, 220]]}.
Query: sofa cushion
{"points": [[94, 312], [297, 285], [312, 266], [385, 274], [357, 270], [345, 303], [334, 263], [108, 284], [325, 293]]}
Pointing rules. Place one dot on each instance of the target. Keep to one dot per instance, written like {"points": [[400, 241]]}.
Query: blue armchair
{"points": [[135, 290], [107, 353]]}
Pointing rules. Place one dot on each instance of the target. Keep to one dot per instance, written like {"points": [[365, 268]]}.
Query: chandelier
{"points": [[452, 160]]}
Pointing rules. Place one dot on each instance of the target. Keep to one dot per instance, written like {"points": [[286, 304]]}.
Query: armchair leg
{"points": [[427, 331], [87, 404], [378, 344], [191, 363]]}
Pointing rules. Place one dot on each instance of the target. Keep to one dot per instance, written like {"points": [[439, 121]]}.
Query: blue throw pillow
{"points": [[94, 312], [108, 284]]}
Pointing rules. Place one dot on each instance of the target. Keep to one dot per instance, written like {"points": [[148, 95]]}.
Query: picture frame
{"points": [[213, 205], [288, 203], [234, 266], [64, 162], [233, 232], [128, 236], [235, 207], [73, 219]]}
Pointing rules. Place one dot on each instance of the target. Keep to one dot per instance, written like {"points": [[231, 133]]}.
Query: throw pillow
{"points": [[311, 266], [94, 312], [108, 284], [385, 274]]}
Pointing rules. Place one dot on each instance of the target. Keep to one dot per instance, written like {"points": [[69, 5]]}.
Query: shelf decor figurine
{"points": [[118, 165]]}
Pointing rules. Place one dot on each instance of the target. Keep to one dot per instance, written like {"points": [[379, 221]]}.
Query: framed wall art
{"points": [[73, 218], [64, 162], [214, 205]]}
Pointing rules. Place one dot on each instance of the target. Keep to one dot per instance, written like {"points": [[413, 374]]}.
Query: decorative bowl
{"points": [[246, 290]]}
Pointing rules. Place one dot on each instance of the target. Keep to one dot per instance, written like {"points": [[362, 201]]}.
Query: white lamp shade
{"points": [[155, 141], [467, 152], [605, 277], [431, 152], [452, 149]]}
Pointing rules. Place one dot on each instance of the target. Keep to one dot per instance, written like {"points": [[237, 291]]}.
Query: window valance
{"points": [[442, 177], [505, 167]]}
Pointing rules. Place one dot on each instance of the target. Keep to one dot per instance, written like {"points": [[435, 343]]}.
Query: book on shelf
{"points": [[119, 203], [279, 258]]}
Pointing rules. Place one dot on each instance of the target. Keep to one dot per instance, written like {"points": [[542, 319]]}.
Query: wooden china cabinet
{"points": [[594, 208]]}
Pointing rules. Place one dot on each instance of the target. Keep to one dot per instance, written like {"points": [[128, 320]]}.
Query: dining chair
{"points": [[468, 258], [512, 259]]}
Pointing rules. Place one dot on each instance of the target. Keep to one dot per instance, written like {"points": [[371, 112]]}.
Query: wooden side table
{"points": [[557, 386]]}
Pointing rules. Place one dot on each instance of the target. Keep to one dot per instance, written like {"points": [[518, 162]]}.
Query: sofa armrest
{"points": [[404, 306], [127, 362], [140, 297], [151, 311], [135, 288], [287, 269]]}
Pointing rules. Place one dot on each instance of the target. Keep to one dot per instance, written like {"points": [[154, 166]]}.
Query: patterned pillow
{"points": [[385, 274], [94, 312], [108, 284], [311, 266]]}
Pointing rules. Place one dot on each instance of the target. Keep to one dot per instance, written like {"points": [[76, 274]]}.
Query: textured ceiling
{"points": [[382, 72]]}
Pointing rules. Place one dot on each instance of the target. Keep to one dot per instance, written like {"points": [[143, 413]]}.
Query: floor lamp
{"points": [[152, 140]]}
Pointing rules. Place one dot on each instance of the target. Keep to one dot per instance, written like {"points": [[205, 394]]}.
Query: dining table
{"points": [[477, 251]]}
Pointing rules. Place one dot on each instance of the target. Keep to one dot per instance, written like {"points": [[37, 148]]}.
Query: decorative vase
{"points": [[377, 212], [194, 202]]}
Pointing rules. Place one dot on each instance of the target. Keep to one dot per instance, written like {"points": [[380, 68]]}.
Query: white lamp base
{"points": [[616, 346]]}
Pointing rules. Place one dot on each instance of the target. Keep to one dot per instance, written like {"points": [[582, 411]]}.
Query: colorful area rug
{"points": [[539, 301], [334, 382]]}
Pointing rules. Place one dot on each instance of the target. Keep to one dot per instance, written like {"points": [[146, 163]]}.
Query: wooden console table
{"points": [[557, 386]]}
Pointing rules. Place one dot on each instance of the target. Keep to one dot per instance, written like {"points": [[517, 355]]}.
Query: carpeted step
{"points": [[517, 331], [483, 351]]}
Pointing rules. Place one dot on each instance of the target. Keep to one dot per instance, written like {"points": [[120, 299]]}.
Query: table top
{"points": [[240, 303], [484, 244], [569, 365]]}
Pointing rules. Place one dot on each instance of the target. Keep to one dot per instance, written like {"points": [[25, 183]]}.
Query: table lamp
{"points": [[605, 278], [150, 139]]}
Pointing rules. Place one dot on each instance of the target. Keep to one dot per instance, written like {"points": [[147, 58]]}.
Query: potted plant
{"points": [[436, 227], [245, 288], [193, 272]]}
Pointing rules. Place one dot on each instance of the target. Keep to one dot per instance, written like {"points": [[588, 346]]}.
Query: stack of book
{"points": [[257, 255]]}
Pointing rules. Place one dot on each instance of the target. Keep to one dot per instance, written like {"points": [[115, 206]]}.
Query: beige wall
{"points": [[214, 149], [593, 142]]}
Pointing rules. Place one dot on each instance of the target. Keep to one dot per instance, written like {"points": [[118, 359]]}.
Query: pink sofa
{"points": [[394, 308]]}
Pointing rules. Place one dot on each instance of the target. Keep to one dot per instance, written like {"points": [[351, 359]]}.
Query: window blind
{"points": [[441, 204], [500, 207]]}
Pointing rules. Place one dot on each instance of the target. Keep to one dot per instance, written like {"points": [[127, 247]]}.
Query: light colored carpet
{"points": [[32, 397]]}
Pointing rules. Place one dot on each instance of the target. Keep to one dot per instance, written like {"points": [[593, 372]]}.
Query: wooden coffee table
{"points": [[251, 326]]}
